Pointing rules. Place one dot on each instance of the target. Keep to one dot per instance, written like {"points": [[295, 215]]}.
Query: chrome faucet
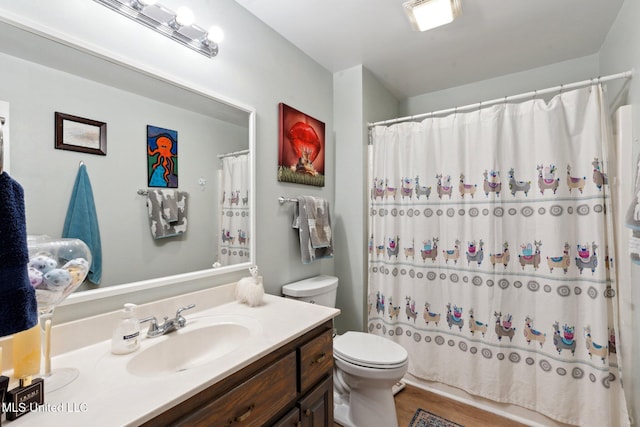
{"points": [[168, 325]]}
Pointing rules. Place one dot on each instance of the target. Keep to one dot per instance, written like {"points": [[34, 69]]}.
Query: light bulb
{"points": [[215, 34], [184, 16]]}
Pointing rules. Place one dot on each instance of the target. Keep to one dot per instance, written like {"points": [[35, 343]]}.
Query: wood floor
{"points": [[412, 398]]}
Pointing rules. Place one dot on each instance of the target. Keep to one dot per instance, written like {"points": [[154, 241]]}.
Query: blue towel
{"points": [[18, 306], [82, 222]]}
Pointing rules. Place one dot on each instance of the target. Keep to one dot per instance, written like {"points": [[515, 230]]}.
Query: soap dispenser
{"points": [[126, 335]]}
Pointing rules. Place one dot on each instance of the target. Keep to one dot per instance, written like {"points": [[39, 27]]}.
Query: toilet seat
{"points": [[368, 350]]}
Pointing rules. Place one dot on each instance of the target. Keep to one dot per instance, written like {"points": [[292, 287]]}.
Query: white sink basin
{"points": [[201, 341], [186, 349]]}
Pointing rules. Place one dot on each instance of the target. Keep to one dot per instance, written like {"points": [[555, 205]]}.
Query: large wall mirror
{"points": [[42, 75]]}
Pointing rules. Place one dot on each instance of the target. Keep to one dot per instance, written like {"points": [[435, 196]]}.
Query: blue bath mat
{"points": [[424, 418]]}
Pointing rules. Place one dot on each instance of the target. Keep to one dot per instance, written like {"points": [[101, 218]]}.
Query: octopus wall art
{"points": [[162, 157], [301, 148]]}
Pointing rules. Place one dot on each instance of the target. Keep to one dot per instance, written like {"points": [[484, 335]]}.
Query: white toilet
{"points": [[366, 366]]}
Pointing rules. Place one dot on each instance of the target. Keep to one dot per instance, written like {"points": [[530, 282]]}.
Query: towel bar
{"points": [[282, 200]]}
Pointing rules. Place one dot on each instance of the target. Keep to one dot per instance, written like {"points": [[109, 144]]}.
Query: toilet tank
{"points": [[316, 290]]}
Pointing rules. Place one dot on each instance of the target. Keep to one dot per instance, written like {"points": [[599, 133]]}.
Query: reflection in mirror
{"points": [[42, 75], [234, 207]]}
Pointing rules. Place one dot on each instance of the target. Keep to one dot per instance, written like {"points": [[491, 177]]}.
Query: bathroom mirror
{"points": [[42, 75]]}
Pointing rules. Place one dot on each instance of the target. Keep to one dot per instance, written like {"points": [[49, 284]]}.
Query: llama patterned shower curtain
{"points": [[233, 179], [490, 254]]}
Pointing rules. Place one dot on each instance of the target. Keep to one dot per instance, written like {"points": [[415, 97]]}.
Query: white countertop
{"points": [[105, 394]]}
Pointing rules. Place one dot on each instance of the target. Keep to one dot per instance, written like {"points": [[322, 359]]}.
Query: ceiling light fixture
{"points": [[427, 14], [141, 4], [178, 25]]}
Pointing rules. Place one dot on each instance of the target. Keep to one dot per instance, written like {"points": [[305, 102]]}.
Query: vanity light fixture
{"points": [[176, 25], [427, 14]]}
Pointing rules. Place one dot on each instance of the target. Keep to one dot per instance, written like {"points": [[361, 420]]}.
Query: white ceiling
{"points": [[490, 39]]}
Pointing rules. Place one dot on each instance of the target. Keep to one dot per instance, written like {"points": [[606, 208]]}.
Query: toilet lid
{"points": [[369, 350]]}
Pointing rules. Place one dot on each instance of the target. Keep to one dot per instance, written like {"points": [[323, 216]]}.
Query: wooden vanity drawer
{"points": [[253, 402], [316, 408], [316, 359]]}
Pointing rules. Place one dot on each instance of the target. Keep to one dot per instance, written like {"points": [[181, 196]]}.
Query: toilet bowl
{"points": [[366, 366]]}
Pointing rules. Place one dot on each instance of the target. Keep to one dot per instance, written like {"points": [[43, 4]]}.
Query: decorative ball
{"points": [[80, 263], [43, 263], [57, 277], [35, 276], [77, 274]]}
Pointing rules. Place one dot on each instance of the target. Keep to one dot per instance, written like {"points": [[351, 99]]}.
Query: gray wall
{"points": [[499, 87], [348, 219], [348, 222], [359, 98], [129, 251]]}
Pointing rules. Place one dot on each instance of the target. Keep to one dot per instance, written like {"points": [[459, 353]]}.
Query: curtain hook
{"points": [[535, 94], [561, 87]]}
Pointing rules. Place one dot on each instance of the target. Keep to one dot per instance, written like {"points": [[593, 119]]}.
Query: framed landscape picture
{"points": [[80, 134]]}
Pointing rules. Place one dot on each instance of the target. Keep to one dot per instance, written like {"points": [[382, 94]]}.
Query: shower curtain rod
{"points": [[235, 153], [626, 74]]}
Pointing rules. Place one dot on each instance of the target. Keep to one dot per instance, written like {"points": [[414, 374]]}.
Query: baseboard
{"points": [[398, 387], [531, 419]]}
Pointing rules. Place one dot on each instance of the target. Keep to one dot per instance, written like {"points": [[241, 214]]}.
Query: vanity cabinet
{"points": [[291, 386], [315, 409]]}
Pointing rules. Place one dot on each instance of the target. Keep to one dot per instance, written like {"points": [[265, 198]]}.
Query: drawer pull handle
{"points": [[307, 412], [243, 417], [320, 359], [246, 415]]}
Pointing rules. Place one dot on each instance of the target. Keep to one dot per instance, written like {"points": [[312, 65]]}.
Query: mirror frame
{"points": [[143, 69], [6, 130]]}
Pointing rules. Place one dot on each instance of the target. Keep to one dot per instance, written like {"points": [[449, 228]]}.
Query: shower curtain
{"points": [[490, 254], [233, 241]]}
